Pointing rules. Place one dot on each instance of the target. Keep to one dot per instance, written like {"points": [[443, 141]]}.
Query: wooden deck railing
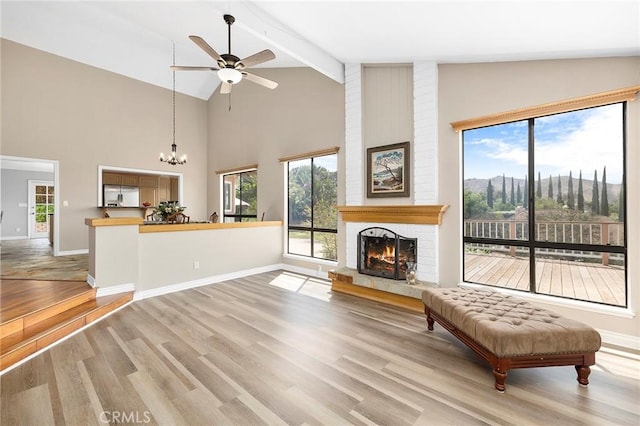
{"points": [[602, 233]]}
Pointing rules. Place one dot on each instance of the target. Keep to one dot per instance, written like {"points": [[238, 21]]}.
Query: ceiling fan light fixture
{"points": [[229, 75]]}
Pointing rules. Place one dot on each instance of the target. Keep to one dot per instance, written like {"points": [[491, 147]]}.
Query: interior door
{"points": [[41, 202]]}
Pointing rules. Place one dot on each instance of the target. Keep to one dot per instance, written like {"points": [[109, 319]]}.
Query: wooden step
{"points": [[36, 336], [27, 302]]}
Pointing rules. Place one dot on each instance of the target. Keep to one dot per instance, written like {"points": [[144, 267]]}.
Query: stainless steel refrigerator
{"points": [[121, 196]]}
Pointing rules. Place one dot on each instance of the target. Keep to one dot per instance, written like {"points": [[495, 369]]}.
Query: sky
{"points": [[584, 140]]}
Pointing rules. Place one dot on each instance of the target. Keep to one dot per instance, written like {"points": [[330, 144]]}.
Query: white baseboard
{"points": [[91, 281], [73, 252], [623, 340], [23, 237], [116, 289], [140, 295]]}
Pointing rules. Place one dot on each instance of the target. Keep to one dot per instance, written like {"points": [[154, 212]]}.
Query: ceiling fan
{"points": [[231, 68]]}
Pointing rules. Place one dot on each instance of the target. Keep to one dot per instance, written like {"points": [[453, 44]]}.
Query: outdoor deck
{"points": [[585, 281]]}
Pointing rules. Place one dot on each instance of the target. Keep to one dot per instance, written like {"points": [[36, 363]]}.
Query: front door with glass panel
{"points": [[41, 197]]}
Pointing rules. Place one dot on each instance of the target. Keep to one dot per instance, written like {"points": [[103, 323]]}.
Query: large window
{"points": [[312, 207], [544, 208], [240, 196]]}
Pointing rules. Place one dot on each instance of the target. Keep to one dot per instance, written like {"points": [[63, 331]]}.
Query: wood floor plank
{"points": [[68, 379], [258, 350], [24, 408]]}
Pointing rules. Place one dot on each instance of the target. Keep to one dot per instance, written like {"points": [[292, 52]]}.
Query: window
{"points": [[312, 206], [544, 208], [240, 196]]}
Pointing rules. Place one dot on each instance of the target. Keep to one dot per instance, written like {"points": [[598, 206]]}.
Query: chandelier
{"points": [[173, 157]]}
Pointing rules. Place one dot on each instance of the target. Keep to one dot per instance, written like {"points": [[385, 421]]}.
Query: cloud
{"points": [[591, 144], [584, 140]]}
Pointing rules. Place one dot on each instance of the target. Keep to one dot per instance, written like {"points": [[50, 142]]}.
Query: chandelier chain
{"points": [[173, 156], [174, 93]]}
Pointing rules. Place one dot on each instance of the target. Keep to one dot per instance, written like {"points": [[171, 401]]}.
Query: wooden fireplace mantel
{"points": [[417, 215]]}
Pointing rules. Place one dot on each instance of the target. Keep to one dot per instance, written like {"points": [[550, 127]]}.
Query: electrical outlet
{"points": [[196, 264], [17, 229]]}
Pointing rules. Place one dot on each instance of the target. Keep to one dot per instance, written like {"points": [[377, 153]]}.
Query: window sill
{"points": [[310, 259]]}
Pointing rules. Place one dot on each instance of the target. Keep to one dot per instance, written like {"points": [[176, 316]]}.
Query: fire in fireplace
{"points": [[383, 253]]}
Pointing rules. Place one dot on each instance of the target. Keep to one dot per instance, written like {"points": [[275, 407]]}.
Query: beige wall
{"points": [[472, 90], [304, 113], [217, 251], [57, 109]]}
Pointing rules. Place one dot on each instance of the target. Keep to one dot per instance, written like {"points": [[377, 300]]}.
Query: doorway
{"points": [[41, 208], [16, 199]]}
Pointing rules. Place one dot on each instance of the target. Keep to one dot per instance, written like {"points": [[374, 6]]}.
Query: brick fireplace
{"points": [[416, 222], [419, 224]]}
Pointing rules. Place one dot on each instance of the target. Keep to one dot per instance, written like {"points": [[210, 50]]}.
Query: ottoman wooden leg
{"points": [[427, 312], [500, 377], [583, 374]]}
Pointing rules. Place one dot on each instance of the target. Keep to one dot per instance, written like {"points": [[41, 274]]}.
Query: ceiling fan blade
{"points": [[187, 68], [260, 80], [255, 59], [210, 51], [225, 88]]}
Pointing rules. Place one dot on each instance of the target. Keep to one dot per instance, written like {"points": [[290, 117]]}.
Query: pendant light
{"points": [[173, 157]]}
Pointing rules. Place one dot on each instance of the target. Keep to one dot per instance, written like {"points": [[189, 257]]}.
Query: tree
{"points": [[504, 190], [392, 162], [559, 197], [550, 189], [513, 194], [519, 195], [570, 200], [580, 194], [300, 195], [595, 197], [525, 196], [247, 194], [539, 188], [474, 204], [490, 194], [604, 198]]}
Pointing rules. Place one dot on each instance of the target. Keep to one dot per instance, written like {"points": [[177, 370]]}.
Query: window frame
{"points": [[532, 244], [311, 229], [231, 192]]}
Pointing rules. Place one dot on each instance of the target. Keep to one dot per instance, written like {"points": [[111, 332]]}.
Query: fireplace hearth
{"points": [[383, 253]]}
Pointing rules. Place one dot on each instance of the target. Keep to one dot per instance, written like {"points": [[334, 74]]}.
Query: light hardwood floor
{"points": [[279, 348]]}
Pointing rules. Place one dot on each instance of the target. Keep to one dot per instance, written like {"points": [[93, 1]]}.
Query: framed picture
{"points": [[388, 171]]}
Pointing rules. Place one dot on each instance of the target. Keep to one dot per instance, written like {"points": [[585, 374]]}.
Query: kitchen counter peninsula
{"points": [[127, 254]]}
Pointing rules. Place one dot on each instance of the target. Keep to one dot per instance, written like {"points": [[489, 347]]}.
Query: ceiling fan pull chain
{"points": [[229, 101]]}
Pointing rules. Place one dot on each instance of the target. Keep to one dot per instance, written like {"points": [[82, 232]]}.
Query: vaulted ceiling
{"points": [[135, 38]]}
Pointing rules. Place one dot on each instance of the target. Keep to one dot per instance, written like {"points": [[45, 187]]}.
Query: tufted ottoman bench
{"points": [[509, 332]]}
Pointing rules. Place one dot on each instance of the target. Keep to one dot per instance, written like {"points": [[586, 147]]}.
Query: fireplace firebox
{"points": [[383, 253]]}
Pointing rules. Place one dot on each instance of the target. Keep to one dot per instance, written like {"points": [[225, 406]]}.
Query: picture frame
{"points": [[388, 171]]}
